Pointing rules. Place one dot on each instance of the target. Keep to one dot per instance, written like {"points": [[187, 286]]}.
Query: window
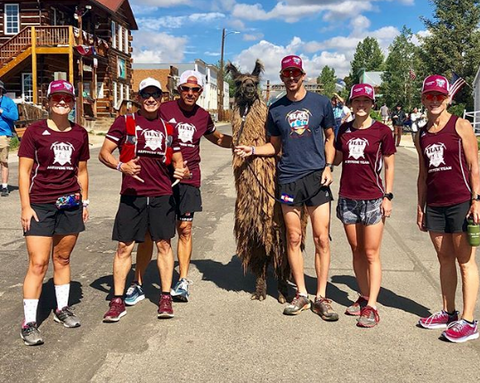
{"points": [[27, 87], [12, 19], [119, 38], [125, 40], [115, 95], [114, 34], [121, 68]]}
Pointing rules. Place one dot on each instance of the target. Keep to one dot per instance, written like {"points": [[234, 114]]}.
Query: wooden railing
{"points": [[17, 44], [47, 36]]}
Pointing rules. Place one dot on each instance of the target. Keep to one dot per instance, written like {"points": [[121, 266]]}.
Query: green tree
{"points": [[368, 56], [401, 80], [328, 80], [453, 43]]}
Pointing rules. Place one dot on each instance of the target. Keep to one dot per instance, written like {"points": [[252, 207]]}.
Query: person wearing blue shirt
{"points": [[8, 115], [300, 126]]}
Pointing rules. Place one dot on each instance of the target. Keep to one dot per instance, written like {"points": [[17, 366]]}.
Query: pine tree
{"points": [[368, 56], [453, 43], [328, 80], [402, 77]]}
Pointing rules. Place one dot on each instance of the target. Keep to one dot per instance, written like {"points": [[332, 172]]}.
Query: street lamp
{"points": [[220, 74]]}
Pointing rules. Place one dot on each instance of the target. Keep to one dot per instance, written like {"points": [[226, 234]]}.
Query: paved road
{"points": [[221, 335]]}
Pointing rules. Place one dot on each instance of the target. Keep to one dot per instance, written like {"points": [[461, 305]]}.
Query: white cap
{"points": [[149, 82], [191, 73]]}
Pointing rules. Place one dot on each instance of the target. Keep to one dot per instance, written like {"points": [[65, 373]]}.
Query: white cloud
{"points": [[252, 37], [416, 39], [175, 22], [161, 3], [158, 47]]}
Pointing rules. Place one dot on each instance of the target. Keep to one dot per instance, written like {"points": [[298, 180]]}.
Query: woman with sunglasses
{"points": [[53, 186], [363, 147], [448, 193]]}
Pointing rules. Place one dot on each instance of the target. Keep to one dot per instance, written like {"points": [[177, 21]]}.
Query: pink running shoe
{"points": [[440, 319], [460, 331]]}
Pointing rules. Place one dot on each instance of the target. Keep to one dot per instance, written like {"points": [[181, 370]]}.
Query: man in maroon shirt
{"points": [[146, 204], [191, 123]]}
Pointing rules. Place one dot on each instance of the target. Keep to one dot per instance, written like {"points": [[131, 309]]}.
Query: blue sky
{"points": [[322, 32]]}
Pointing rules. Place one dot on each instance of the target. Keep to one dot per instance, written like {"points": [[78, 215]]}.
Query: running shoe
{"points": [[165, 309], [299, 303], [460, 331], [180, 290], [116, 311], [5, 192], [134, 295], [67, 317], [357, 307], [440, 319], [368, 317], [323, 307], [31, 334]]}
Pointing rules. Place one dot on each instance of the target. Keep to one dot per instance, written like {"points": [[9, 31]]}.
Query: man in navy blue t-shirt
{"points": [[301, 126]]}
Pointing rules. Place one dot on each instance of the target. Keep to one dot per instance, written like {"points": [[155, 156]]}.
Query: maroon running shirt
{"points": [[151, 144], [56, 156], [363, 151], [190, 127], [448, 179]]}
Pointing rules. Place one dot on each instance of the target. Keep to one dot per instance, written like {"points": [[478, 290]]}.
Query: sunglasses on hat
{"points": [[291, 73], [61, 97], [194, 89], [147, 95]]}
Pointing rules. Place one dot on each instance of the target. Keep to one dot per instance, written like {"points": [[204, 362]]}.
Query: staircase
{"points": [[22, 45]]}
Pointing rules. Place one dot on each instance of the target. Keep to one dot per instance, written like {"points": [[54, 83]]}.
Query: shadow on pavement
{"points": [[387, 297], [48, 302]]}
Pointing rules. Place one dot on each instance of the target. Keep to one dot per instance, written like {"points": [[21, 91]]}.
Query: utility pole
{"points": [[220, 80]]}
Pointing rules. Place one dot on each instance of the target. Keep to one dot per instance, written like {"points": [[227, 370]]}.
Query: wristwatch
{"points": [[388, 196], [475, 197], [329, 165]]}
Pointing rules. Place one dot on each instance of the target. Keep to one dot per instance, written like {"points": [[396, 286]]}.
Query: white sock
{"points": [[4, 186], [62, 292], [30, 310]]}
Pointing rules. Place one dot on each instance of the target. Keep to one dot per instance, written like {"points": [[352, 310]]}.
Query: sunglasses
{"points": [[194, 89], [436, 97], [146, 95], [61, 97], [291, 73]]}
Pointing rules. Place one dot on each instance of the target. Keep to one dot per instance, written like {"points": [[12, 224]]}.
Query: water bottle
{"points": [[473, 233]]}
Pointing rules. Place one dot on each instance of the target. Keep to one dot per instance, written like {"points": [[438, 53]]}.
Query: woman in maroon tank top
{"points": [[448, 187], [365, 147]]}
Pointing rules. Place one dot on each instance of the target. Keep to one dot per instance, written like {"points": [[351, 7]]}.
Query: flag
{"points": [[412, 74], [455, 84]]}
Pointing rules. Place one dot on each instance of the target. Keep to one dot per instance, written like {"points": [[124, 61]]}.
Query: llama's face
{"points": [[247, 88]]}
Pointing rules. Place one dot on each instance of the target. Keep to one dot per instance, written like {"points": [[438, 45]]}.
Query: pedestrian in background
{"points": [[363, 147], [398, 119], [8, 115], [53, 186], [448, 193]]}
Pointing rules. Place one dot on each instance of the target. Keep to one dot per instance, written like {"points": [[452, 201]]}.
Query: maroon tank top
{"points": [[448, 181]]}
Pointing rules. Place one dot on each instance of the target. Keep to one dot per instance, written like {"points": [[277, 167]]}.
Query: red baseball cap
{"points": [[60, 86], [436, 83], [362, 90], [292, 61]]}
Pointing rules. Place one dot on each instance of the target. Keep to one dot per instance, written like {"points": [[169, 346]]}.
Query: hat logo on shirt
{"points": [[356, 148], [435, 153], [153, 139], [63, 152], [186, 132]]}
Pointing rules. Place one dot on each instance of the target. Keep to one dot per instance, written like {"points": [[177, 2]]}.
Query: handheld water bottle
{"points": [[473, 233]]}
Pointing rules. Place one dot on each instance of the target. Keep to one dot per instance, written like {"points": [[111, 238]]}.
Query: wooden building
{"points": [[87, 42]]}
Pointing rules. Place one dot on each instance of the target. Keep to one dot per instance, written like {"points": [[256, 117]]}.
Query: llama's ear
{"points": [[232, 69], [258, 68]]}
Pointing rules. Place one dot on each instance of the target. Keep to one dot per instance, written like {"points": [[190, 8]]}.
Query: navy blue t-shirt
{"points": [[300, 124]]}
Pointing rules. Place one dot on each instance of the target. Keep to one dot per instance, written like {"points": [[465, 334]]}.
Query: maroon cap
{"points": [[60, 86], [436, 83], [292, 61], [362, 90]]}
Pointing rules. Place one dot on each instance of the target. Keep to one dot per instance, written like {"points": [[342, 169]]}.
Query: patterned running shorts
{"points": [[366, 212]]}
